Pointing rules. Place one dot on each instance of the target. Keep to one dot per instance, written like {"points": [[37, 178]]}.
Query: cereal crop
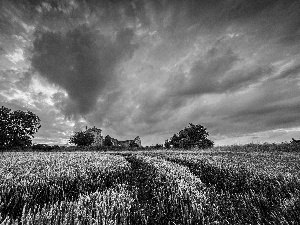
{"points": [[150, 187]]}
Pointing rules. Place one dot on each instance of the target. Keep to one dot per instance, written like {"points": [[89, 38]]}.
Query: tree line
{"points": [[17, 128]]}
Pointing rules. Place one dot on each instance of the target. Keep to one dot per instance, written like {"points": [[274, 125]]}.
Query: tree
{"points": [[175, 141], [107, 141], [17, 127], [82, 138], [192, 136], [167, 144], [158, 146]]}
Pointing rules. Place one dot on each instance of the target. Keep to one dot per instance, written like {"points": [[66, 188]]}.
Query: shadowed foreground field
{"points": [[219, 186]]}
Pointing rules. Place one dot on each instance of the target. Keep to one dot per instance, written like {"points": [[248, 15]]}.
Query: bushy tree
{"points": [[107, 141], [175, 141], [192, 136], [167, 144], [82, 138], [17, 127]]}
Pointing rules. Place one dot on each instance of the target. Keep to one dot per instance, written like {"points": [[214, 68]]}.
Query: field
{"points": [[218, 186]]}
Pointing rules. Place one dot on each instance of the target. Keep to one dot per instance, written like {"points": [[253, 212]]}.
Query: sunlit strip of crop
{"points": [[112, 206], [38, 179]]}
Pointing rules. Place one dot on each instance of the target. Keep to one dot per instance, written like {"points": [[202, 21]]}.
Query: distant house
{"points": [[128, 143], [98, 139], [124, 144], [114, 141], [138, 141]]}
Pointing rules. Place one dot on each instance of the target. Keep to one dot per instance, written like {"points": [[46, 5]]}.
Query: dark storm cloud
{"points": [[11, 18], [247, 9], [291, 34], [155, 108], [205, 74], [215, 74], [81, 61], [108, 110], [174, 17]]}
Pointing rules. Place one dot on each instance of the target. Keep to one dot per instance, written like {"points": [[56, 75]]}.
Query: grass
{"points": [[234, 185]]}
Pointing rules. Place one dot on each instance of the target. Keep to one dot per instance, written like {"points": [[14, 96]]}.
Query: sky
{"points": [[148, 68]]}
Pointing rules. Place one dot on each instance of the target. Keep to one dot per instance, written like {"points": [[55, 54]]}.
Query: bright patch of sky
{"points": [[16, 56]]}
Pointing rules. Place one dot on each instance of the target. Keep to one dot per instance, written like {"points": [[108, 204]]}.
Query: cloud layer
{"points": [[81, 61], [149, 68]]}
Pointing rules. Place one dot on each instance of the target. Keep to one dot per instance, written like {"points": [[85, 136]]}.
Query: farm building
{"points": [[99, 140]]}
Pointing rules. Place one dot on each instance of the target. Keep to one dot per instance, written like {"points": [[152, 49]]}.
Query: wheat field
{"points": [[222, 186]]}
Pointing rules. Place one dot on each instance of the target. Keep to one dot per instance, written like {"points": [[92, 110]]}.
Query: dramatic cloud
{"points": [[150, 67], [204, 75], [82, 62]]}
